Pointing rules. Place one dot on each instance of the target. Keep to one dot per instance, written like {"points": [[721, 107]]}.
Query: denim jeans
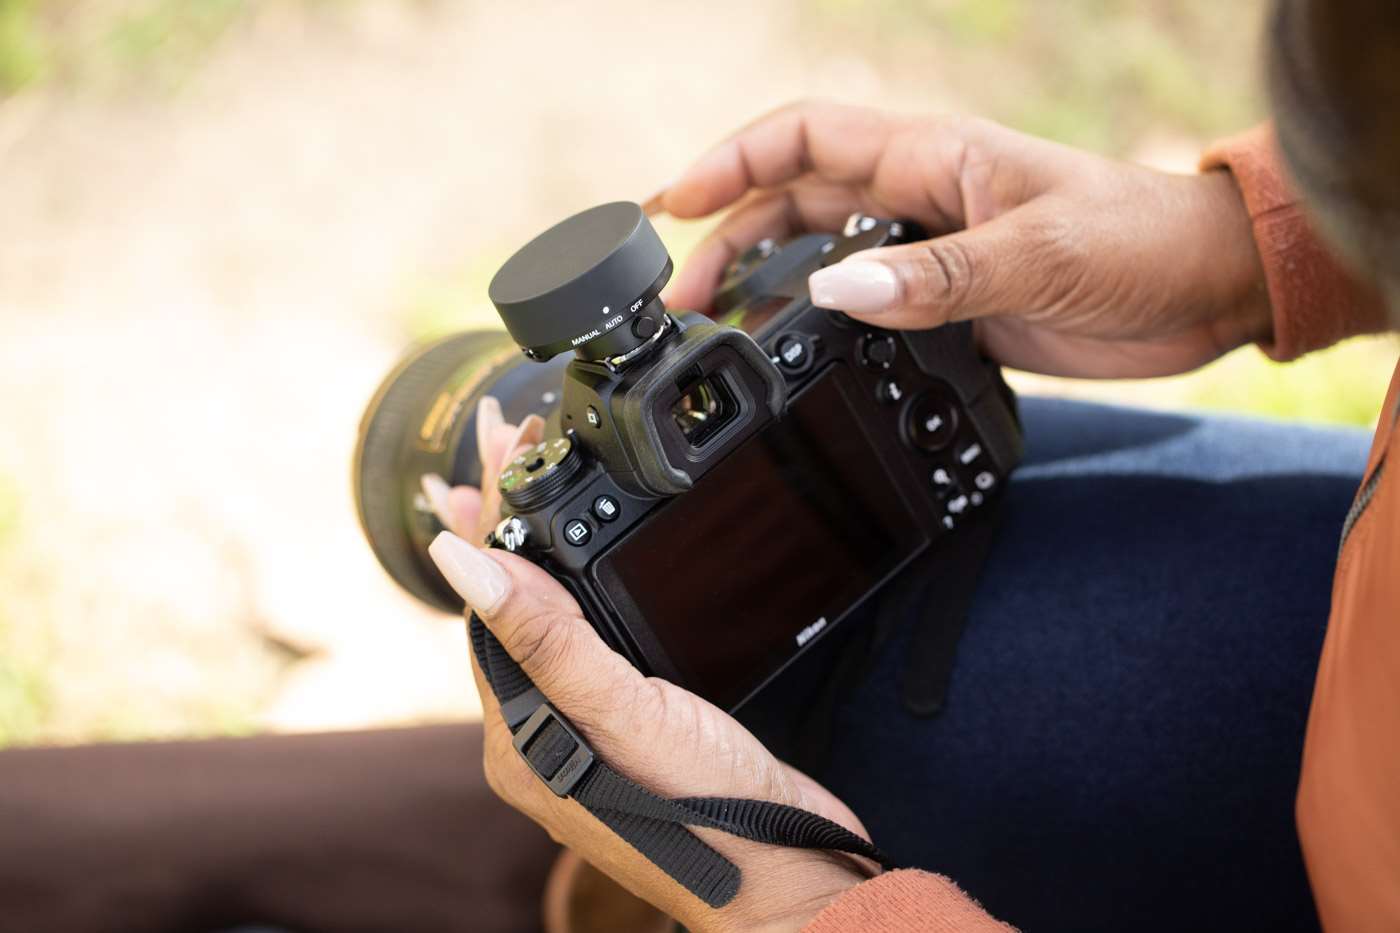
{"points": [[1120, 743]]}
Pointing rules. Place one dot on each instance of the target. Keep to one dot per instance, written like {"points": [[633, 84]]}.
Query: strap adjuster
{"points": [[554, 750]]}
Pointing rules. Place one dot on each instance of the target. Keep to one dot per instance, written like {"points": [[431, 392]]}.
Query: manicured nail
{"points": [[477, 578], [527, 435], [437, 491], [488, 419], [654, 205], [860, 287]]}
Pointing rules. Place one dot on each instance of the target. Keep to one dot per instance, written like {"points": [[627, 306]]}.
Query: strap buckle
{"points": [[554, 750]]}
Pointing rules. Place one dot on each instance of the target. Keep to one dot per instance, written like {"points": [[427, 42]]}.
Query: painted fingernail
{"points": [[656, 203], [861, 287], [477, 578], [529, 433], [437, 491], [488, 418]]}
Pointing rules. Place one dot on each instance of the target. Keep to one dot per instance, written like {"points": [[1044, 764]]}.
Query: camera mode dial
{"points": [[539, 474], [587, 284]]}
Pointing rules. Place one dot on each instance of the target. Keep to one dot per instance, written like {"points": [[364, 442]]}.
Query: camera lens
{"points": [[588, 284], [703, 409], [422, 420]]}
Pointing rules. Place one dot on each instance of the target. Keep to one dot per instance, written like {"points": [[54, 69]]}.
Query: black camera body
{"points": [[718, 494]]}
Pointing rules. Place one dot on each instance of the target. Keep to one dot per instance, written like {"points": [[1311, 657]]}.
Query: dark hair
{"points": [[1334, 77]]}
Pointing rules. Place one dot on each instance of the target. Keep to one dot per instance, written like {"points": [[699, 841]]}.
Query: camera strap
{"points": [[932, 599], [653, 825], [938, 592]]}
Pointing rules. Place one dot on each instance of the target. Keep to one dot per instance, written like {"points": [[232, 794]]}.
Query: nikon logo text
{"points": [[810, 632]]}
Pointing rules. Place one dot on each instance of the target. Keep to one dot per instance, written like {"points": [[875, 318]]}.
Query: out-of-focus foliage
{"points": [[93, 42], [1339, 385], [1097, 73], [22, 670]]}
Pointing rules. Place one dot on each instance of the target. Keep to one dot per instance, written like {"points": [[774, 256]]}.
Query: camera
{"points": [[717, 493]]}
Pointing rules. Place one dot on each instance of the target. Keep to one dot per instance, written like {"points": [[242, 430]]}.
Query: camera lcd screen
{"points": [[774, 545]]}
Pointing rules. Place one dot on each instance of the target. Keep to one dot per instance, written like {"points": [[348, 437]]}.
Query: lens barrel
{"points": [[587, 284]]}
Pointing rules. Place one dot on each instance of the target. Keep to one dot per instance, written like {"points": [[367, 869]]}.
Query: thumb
{"points": [[972, 273], [541, 627]]}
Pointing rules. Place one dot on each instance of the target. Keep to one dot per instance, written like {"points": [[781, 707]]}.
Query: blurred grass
{"points": [[1343, 385], [23, 661], [93, 43], [1101, 74]]}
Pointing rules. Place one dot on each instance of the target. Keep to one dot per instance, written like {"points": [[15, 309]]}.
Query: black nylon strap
{"points": [[655, 826], [939, 593]]}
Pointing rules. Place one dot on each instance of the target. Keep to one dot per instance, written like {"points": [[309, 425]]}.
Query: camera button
{"points": [[877, 352], [889, 391], [606, 509], [793, 353], [968, 454], [929, 423], [644, 328], [577, 532], [942, 480]]}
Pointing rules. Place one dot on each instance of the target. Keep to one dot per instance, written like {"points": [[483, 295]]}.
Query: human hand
{"points": [[1066, 262], [662, 737], [465, 510]]}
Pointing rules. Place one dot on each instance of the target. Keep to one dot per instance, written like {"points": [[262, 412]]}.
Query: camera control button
{"points": [[877, 352], [968, 454], [644, 328], [793, 352], [577, 532], [889, 391], [594, 419], [929, 423], [606, 509], [942, 480]]}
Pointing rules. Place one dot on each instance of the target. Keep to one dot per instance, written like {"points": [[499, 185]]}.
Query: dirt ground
{"points": [[199, 289]]}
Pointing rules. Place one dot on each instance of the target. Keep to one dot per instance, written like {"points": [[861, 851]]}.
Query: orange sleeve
{"points": [[905, 901], [1316, 300]]}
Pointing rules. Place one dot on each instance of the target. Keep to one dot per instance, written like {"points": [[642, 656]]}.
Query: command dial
{"points": [[540, 474]]}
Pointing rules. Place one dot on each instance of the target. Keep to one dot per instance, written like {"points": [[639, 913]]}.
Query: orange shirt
{"points": [[1349, 797]]}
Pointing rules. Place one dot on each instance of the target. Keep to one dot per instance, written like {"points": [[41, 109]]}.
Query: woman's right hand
{"points": [[1068, 263]]}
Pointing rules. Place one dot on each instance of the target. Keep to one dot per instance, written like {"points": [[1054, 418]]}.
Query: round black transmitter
{"points": [[587, 284]]}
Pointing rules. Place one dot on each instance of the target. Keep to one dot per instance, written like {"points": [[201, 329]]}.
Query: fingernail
{"points": [[437, 491], [477, 578], [488, 418], [861, 287], [533, 428], [656, 203]]}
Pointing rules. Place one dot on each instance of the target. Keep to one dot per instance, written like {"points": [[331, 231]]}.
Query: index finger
{"points": [[838, 142]]}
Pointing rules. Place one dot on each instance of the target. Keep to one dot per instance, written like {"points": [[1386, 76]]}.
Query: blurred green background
{"points": [[220, 220]]}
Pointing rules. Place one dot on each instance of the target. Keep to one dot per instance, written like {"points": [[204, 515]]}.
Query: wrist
{"points": [[812, 891], [1244, 312]]}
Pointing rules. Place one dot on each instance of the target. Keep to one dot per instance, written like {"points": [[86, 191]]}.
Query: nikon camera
{"points": [[717, 493]]}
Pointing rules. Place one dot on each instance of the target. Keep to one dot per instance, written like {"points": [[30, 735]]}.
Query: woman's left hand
{"points": [[666, 739]]}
